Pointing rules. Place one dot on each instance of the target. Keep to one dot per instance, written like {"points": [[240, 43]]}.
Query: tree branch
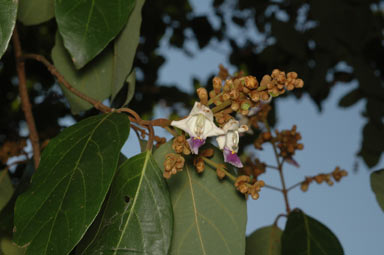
{"points": [[25, 103]]}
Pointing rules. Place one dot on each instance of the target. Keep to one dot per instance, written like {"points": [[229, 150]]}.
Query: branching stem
{"points": [[25, 102]]}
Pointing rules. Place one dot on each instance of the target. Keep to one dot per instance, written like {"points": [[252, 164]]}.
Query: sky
{"points": [[331, 138]]}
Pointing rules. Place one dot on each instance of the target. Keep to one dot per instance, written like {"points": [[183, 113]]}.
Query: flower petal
{"points": [[232, 158], [195, 143], [182, 124], [221, 141]]}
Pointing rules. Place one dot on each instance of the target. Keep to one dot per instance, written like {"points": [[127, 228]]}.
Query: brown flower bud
{"points": [[203, 95], [220, 173]]}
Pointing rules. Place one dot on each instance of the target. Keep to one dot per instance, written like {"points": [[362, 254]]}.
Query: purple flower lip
{"points": [[232, 158], [195, 143]]}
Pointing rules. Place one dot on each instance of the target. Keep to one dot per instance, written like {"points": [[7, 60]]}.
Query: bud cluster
{"points": [[287, 142], [173, 164], [253, 168], [336, 174], [243, 185], [180, 145]]}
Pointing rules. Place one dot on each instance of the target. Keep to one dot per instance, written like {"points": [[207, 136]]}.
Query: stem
{"points": [[170, 130], [278, 217], [215, 165], [212, 100], [51, 68], [25, 102], [272, 167], [221, 106], [272, 187], [280, 169], [294, 186]]}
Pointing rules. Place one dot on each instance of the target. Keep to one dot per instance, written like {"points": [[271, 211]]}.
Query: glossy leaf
{"points": [[6, 188], [264, 241], [35, 12], [377, 184], [209, 215], [307, 236], [125, 50], [138, 214], [88, 26], [69, 187], [94, 80], [8, 12]]}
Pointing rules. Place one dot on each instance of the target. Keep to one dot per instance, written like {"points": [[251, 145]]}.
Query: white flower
{"points": [[229, 142], [199, 125]]}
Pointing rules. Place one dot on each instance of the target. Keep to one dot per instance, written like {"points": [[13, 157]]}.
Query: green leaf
{"points": [[377, 184], [264, 241], [8, 12], [125, 50], [69, 187], [34, 12], [138, 215], [7, 247], [209, 215], [351, 98], [94, 80], [305, 235], [88, 26], [106, 74], [6, 188]]}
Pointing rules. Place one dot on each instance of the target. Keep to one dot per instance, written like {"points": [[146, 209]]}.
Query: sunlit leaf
{"points": [[88, 26], [209, 215], [6, 188], [8, 12], [33, 12], [138, 214], [264, 241], [377, 184], [307, 236], [69, 187]]}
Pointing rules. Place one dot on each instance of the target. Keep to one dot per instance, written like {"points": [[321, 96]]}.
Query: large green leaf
{"points": [[377, 184], [95, 80], [8, 12], [209, 215], [6, 188], [264, 241], [125, 48], [306, 236], [88, 26], [35, 12], [138, 214], [69, 187]]}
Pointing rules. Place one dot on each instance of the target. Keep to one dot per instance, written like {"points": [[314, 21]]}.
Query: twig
{"points": [[272, 187], [280, 168], [278, 217], [294, 186], [25, 103], [52, 69]]}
